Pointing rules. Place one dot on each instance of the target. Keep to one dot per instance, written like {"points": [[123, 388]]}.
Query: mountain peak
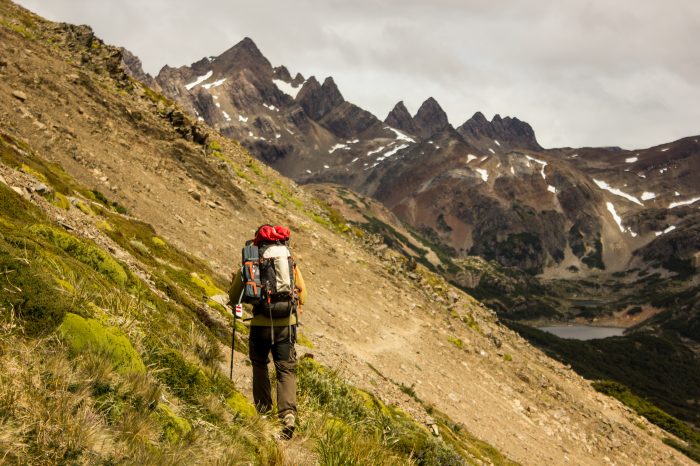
{"points": [[245, 54], [317, 100], [430, 118], [399, 118], [507, 130]]}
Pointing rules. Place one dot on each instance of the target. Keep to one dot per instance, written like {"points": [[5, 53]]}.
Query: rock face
{"points": [[430, 118], [400, 118], [487, 188], [134, 67], [318, 100], [506, 130]]}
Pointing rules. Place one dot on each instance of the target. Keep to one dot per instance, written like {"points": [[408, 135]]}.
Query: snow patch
{"points": [[681, 203], [308, 171], [326, 166], [662, 170], [484, 174], [667, 230], [286, 88], [228, 118], [376, 150], [471, 157], [271, 108], [354, 160], [214, 84], [250, 134], [399, 135], [289, 131], [277, 135], [336, 147], [573, 156], [551, 189], [200, 119], [631, 159], [646, 195], [242, 118], [497, 143], [618, 219], [492, 151], [617, 192], [665, 149], [541, 162], [218, 105], [392, 152], [676, 193], [512, 170], [199, 80]]}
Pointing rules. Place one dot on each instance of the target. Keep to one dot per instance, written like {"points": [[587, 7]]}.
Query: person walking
{"points": [[271, 281]]}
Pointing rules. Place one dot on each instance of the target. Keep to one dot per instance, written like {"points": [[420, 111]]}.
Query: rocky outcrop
{"points": [[317, 100], [511, 131], [430, 118], [134, 68], [399, 118]]}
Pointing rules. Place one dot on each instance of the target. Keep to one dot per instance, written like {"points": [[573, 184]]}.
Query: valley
{"points": [[125, 199]]}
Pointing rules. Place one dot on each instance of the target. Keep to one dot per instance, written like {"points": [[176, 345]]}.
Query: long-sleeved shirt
{"points": [[261, 320]]}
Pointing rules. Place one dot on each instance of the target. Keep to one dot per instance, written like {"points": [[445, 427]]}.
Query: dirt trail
{"points": [[360, 313]]}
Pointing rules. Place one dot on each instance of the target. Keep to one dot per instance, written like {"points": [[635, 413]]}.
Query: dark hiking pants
{"points": [[284, 357]]}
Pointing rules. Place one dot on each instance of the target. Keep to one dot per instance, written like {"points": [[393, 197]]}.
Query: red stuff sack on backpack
{"points": [[270, 234]]}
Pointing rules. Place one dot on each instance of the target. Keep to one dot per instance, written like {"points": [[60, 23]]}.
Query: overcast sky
{"points": [[582, 73]]}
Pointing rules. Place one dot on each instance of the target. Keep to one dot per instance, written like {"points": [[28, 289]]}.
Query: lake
{"points": [[583, 332]]}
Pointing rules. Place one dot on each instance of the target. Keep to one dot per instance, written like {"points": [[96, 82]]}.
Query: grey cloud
{"points": [[582, 72]]}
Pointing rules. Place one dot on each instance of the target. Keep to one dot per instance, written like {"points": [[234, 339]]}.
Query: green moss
{"points": [[60, 201], [174, 427], [456, 341], [83, 251], [159, 242], [30, 171], [206, 284], [14, 207], [84, 208], [90, 335], [304, 341], [240, 404]]}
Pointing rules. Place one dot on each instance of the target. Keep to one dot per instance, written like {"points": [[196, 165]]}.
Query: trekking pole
{"points": [[236, 310]]}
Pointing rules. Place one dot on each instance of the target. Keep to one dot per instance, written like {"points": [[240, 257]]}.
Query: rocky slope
{"points": [[564, 212], [74, 122]]}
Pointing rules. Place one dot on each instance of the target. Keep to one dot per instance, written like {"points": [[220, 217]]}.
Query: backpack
{"points": [[268, 273]]}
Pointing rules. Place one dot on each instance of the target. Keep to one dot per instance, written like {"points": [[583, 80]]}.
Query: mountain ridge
{"points": [[203, 195]]}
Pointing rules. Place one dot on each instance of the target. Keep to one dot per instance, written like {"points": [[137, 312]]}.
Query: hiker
{"points": [[272, 283]]}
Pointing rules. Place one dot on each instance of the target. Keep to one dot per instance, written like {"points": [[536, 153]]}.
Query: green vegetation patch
{"points": [[375, 426], [174, 428], [90, 335], [85, 252], [656, 416], [206, 284], [29, 293], [241, 405]]}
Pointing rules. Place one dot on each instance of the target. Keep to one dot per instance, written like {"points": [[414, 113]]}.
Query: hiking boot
{"points": [[288, 426]]}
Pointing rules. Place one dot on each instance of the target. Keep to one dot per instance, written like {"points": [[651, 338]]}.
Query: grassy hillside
{"points": [[121, 221]]}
